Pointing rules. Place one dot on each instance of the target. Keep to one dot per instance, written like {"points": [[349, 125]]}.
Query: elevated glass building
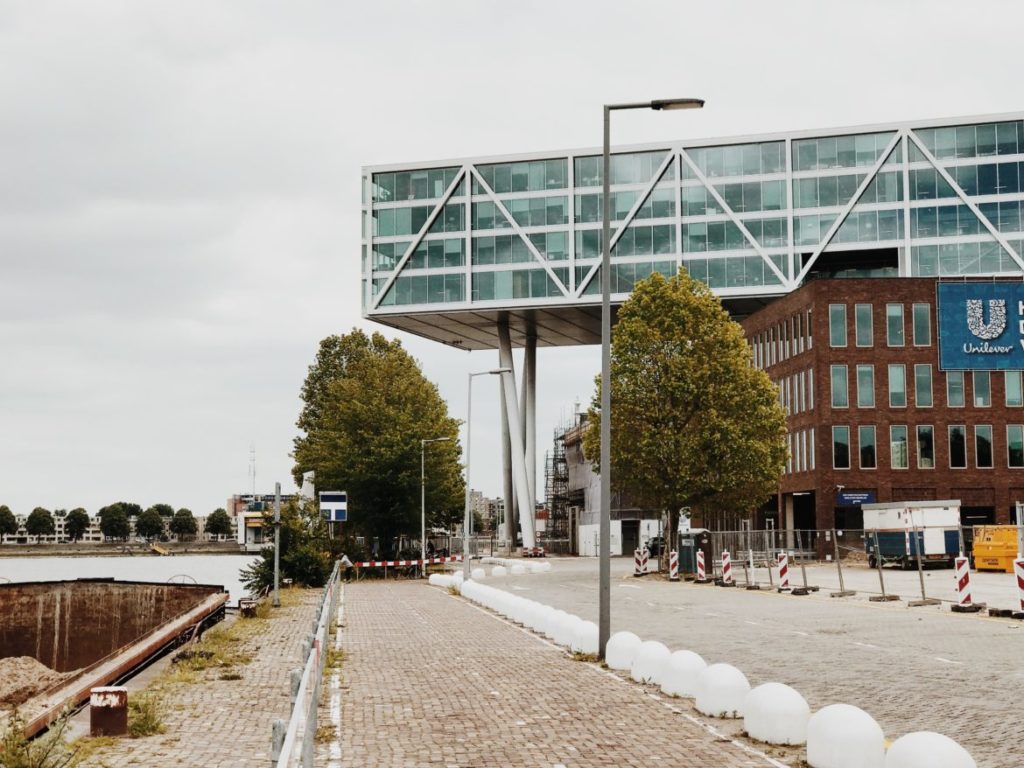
{"points": [[450, 248]]}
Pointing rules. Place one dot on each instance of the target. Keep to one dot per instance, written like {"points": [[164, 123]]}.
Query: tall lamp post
{"points": [[423, 500], [469, 421], [604, 590]]}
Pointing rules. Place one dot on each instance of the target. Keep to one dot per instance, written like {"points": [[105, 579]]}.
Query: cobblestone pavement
{"points": [[434, 680], [217, 723], [911, 668]]}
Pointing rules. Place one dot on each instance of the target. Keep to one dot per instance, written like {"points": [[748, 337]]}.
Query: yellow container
{"points": [[995, 547]]}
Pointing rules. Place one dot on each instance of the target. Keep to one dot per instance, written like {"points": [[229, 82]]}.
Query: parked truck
{"points": [[906, 530]]}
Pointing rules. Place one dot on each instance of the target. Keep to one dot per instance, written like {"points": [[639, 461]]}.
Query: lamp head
{"points": [[663, 104]]}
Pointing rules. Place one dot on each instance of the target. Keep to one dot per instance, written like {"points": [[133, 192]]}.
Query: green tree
{"points": [[149, 525], [8, 522], [183, 524], [40, 523], [694, 424], [164, 510], [366, 407], [218, 523], [306, 554], [77, 524], [114, 522]]}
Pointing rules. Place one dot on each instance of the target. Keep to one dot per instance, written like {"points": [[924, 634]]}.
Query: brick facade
{"points": [[790, 339]]}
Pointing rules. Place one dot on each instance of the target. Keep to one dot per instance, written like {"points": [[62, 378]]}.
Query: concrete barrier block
{"points": [[621, 650], [585, 638], [649, 664]]}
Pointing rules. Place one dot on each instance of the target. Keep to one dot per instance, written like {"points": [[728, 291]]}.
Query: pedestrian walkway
{"points": [[431, 680]]}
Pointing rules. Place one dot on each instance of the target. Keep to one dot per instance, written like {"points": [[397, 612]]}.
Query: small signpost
{"points": [[334, 506]]}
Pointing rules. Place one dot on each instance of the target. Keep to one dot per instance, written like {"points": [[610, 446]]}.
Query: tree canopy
{"points": [[694, 424], [366, 407], [218, 523], [8, 522], [183, 524], [114, 519], [149, 525], [164, 510], [76, 524], [40, 523]]}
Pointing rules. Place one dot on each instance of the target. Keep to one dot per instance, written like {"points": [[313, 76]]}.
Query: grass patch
{"points": [[453, 590], [51, 750], [220, 648], [230, 676], [335, 658], [145, 715], [590, 658], [88, 746], [324, 734]]}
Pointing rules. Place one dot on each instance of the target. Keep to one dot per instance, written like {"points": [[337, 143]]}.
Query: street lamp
{"points": [[469, 417], [604, 589], [423, 500]]}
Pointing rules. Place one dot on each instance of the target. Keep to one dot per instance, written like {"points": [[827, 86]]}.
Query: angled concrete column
{"points": [[508, 488], [508, 381], [529, 405]]}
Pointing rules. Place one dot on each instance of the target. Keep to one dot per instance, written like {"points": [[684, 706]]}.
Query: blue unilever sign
{"points": [[981, 326]]}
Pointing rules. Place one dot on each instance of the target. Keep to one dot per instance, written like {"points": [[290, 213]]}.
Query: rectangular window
{"points": [[923, 386], [925, 447], [898, 447], [841, 447], [922, 325], [957, 446], [982, 388], [894, 325], [864, 330], [840, 387], [810, 390], [813, 449], [866, 443], [865, 386], [955, 389], [897, 386], [837, 325], [1015, 445], [1014, 395], [983, 446]]}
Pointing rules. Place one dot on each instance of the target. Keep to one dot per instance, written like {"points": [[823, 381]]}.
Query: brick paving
{"points": [[429, 679], [217, 723]]}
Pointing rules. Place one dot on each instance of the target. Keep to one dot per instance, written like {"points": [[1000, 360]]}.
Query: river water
{"points": [[205, 569]]}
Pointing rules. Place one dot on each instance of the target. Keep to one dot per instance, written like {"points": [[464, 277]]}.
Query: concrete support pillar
{"points": [[508, 487], [508, 382], [529, 403]]}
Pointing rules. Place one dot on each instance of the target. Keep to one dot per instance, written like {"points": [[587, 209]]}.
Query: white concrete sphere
{"points": [[925, 749], [776, 714], [525, 612], [565, 629], [435, 579], [466, 589], [457, 578], [721, 689], [499, 570], [621, 650], [843, 736], [680, 675], [540, 618], [554, 621], [584, 638], [479, 573], [518, 569], [649, 664]]}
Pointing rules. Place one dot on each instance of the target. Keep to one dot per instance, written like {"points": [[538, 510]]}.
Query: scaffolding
{"points": [[556, 487]]}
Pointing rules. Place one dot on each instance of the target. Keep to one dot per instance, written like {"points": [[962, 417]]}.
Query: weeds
{"points": [[50, 750], [145, 716], [230, 676], [324, 734], [590, 658], [335, 658], [453, 590]]}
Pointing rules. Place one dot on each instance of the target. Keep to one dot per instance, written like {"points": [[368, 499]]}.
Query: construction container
{"points": [[995, 547], [905, 530]]}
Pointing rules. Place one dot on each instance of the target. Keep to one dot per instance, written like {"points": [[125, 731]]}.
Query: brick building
{"points": [[873, 417]]}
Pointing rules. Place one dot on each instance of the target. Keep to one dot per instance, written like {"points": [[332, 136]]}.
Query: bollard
{"points": [[1018, 570], [277, 731], [726, 570], [783, 572], [637, 571], [673, 566], [702, 576], [882, 598], [964, 601], [843, 591], [108, 711], [296, 681], [919, 545]]}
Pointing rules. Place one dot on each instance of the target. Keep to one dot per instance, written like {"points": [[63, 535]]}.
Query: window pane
{"points": [[923, 386], [898, 447], [897, 386], [957, 446], [955, 389], [1014, 396], [841, 447], [922, 325], [983, 446], [894, 324], [982, 389], [866, 443], [863, 322], [837, 324], [925, 448], [865, 386], [840, 389], [1015, 445]]}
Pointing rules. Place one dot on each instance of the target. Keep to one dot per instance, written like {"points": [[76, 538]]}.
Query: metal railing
{"points": [[293, 744]]}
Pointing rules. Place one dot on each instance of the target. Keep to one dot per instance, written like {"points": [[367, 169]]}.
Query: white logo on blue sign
{"points": [[989, 339]]}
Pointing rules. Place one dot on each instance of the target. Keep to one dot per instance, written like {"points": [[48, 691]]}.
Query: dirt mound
{"points": [[22, 677]]}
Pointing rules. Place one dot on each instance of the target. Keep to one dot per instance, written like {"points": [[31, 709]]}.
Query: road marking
{"points": [[629, 586], [865, 645], [650, 604], [798, 632], [753, 623], [947, 661], [712, 615], [521, 589]]}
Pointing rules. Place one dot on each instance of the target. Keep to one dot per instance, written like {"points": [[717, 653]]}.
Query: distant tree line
{"points": [[116, 522]]}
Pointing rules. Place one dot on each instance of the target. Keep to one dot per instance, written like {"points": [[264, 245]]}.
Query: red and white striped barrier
{"points": [[673, 566], [702, 574], [783, 571], [400, 563], [963, 582], [726, 567], [640, 559], [1018, 569]]}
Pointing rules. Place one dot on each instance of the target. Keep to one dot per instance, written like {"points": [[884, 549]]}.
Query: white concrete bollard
{"points": [[843, 736], [650, 661], [541, 617], [565, 630], [721, 689], [553, 623], [776, 714], [584, 638], [499, 570], [925, 749], [621, 650], [479, 573], [518, 569], [681, 672]]}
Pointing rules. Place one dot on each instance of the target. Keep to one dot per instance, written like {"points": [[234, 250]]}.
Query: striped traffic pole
{"points": [[726, 569], [1018, 569], [964, 601], [637, 568], [673, 566], [645, 556], [783, 571], [702, 577]]}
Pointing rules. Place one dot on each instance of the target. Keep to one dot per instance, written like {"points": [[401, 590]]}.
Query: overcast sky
{"points": [[179, 190]]}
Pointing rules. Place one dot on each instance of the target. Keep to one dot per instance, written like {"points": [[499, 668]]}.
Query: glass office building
{"points": [[447, 247]]}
